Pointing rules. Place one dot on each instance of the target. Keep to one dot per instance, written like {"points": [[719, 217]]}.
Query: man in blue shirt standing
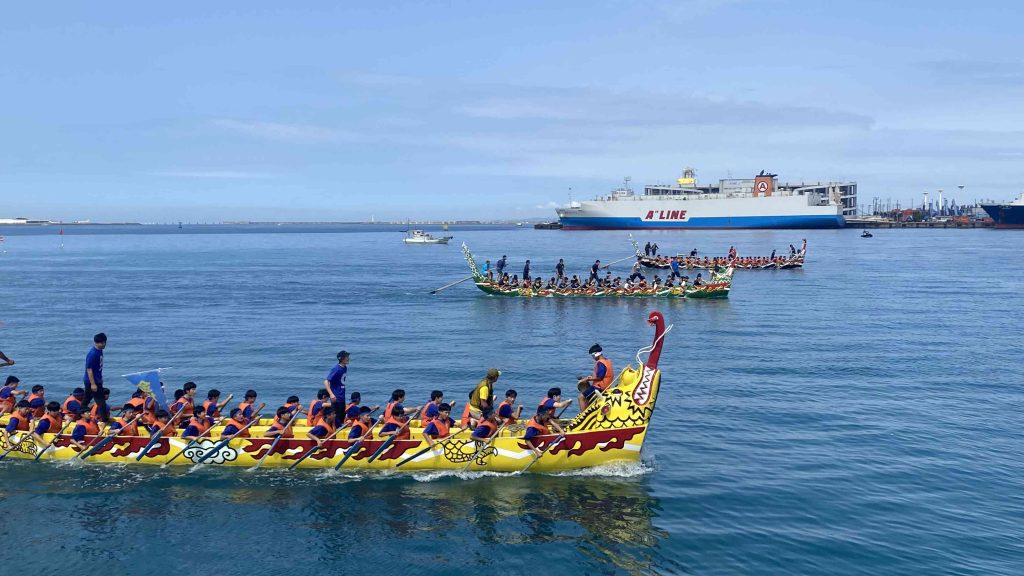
{"points": [[501, 266], [93, 378], [335, 384]]}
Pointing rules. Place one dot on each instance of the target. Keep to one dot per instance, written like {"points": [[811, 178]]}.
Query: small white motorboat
{"points": [[421, 237]]}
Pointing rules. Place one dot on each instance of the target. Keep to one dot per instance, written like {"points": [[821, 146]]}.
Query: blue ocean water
{"points": [[860, 416]]}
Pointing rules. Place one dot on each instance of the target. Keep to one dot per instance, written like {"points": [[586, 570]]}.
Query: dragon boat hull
{"points": [[717, 288], [611, 430]]}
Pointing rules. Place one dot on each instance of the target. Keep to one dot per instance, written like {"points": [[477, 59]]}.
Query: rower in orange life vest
{"points": [[73, 404], [597, 382], [508, 413], [125, 425], [325, 429], [440, 426], [277, 427], [9, 394], [486, 428], [85, 426], [397, 401], [395, 425], [37, 401], [212, 405], [292, 404], [236, 423], [162, 423], [138, 400], [197, 425], [246, 406], [101, 409], [540, 425], [186, 401], [322, 400], [21, 418], [554, 401], [430, 408], [50, 423], [363, 424]]}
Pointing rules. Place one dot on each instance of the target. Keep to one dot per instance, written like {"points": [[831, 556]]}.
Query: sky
{"points": [[317, 111]]}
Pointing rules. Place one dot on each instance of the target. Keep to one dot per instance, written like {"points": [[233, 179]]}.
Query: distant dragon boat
{"points": [[717, 287], [610, 430], [743, 263]]}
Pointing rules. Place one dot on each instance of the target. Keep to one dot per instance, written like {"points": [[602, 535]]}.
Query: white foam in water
{"points": [[613, 470]]}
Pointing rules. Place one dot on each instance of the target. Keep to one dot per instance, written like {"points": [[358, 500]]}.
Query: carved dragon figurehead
{"points": [[630, 402]]}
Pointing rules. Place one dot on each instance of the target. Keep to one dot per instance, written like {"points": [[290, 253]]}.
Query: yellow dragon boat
{"points": [[611, 429]]}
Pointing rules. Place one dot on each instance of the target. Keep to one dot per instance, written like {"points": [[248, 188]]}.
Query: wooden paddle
{"points": [[224, 441], [317, 447], [192, 443], [432, 446], [489, 442], [355, 447], [55, 437], [274, 443], [537, 456], [446, 286], [108, 439], [617, 261], [156, 437]]}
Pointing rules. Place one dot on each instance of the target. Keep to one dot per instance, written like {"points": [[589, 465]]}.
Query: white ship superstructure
{"points": [[760, 202]]}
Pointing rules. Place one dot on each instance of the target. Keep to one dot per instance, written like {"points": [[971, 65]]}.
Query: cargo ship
{"points": [[1006, 215], [760, 202]]}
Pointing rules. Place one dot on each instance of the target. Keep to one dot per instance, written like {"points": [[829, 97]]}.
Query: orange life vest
{"points": [[139, 403], [55, 423], [442, 427], [402, 432], [243, 406], [541, 428], [37, 412], [240, 424], [347, 408], [91, 428], [491, 427], [277, 425], [206, 408], [328, 427], [424, 419], [293, 406], [126, 429], [201, 424], [96, 412], [64, 408], [605, 382], [22, 422], [314, 418], [511, 410], [168, 429], [361, 428], [388, 408], [465, 415]]}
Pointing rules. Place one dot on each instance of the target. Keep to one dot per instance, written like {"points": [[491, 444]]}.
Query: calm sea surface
{"points": [[860, 416]]}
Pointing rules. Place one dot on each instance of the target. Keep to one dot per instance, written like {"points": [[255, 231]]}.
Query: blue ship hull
{"points": [[1005, 215], [724, 222]]}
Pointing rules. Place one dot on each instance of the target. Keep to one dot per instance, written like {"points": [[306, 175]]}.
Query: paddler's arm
{"points": [[92, 380], [327, 386], [225, 402], [557, 426], [37, 435], [7, 361]]}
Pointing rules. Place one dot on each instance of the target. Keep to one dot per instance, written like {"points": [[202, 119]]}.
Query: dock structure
{"points": [[950, 223]]}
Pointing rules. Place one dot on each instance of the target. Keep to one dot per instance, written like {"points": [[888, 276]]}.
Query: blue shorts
{"points": [[589, 392]]}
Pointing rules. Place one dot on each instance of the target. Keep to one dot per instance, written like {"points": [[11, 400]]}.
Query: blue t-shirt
{"points": [[229, 430], [5, 392], [211, 409], [431, 430], [505, 411], [247, 412], [317, 407], [532, 433], [600, 371], [549, 403], [94, 360], [318, 431], [432, 411], [357, 432], [190, 430], [74, 406], [482, 432], [78, 434], [336, 380], [389, 427]]}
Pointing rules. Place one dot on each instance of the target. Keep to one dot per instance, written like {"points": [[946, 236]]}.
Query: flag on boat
{"points": [[149, 382]]}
